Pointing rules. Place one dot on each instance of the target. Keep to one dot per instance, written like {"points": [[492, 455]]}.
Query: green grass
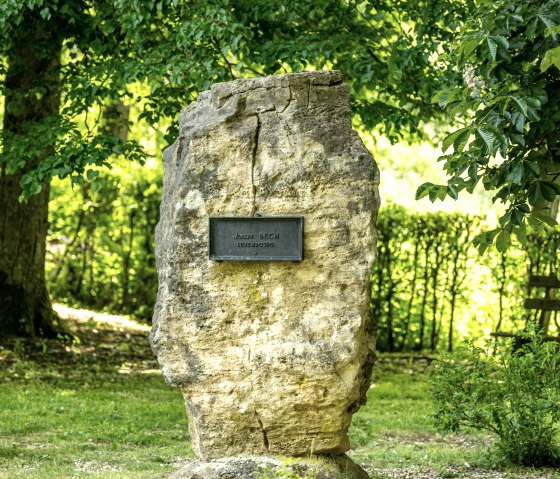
{"points": [[395, 429], [100, 408], [137, 426], [83, 410]]}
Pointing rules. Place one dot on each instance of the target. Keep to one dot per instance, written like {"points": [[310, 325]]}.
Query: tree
{"points": [[509, 56], [33, 79], [78, 54], [64, 62]]}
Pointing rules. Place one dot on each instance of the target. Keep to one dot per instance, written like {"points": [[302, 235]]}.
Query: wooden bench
{"points": [[545, 305], [500, 334]]}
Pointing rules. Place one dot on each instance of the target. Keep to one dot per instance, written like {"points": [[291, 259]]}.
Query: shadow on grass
{"points": [[99, 407], [94, 407]]}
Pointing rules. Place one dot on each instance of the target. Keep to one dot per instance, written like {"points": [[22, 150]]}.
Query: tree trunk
{"points": [[115, 118], [389, 300], [435, 328], [406, 327], [32, 97], [419, 342]]}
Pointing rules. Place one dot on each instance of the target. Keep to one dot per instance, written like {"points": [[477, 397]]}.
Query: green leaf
{"points": [[438, 97], [534, 167], [552, 30], [534, 194], [551, 57], [518, 138], [34, 188], [436, 192], [519, 121], [488, 137], [516, 175], [501, 41], [459, 109], [548, 22], [483, 240], [531, 29], [544, 219], [450, 139], [26, 180], [517, 217], [534, 223], [503, 241], [473, 172], [468, 47], [92, 174], [452, 191], [432, 194], [542, 190], [503, 141], [441, 192], [462, 140], [492, 48], [449, 96], [423, 190], [520, 104], [554, 186], [521, 234], [535, 102], [548, 190]]}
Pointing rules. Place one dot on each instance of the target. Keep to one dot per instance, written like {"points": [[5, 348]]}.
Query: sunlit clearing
{"points": [[111, 320]]}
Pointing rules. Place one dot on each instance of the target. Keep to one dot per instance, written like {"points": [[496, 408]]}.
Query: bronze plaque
{"points": [[255, 238]]}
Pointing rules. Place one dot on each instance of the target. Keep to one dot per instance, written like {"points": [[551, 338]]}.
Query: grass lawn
{"points": [[100, 408]]}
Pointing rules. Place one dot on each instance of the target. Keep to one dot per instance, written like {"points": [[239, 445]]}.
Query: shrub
{"points": [[515, 395]]}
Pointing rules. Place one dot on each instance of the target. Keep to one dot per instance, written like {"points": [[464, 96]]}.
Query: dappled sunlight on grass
{"points": [[99, 407], [122, 323], [94, 407]]}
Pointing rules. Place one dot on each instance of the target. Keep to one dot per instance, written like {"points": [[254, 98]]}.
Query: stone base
{"points": [[264, 467]]}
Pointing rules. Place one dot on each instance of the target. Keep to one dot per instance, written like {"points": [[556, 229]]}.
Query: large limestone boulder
{"points": [[271, 357]]}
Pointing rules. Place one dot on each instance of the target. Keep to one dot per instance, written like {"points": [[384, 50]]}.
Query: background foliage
{"points": [[155, 56], [97, 404], [500, 85], [102, 243], [431, 287], [174, 49]]}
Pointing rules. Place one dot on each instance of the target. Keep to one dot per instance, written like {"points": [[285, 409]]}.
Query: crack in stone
{"points": [[265, 436], [253, 164], [287, 104], [336, 83], [178, 150]]}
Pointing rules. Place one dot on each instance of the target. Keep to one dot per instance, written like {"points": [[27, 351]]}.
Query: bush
{"points": [[512, 394]]}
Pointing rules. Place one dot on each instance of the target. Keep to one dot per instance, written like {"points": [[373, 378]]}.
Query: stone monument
{"points": [[264, 251]]}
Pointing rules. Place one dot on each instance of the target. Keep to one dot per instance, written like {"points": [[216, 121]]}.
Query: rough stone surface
{"points": [[271, 357], [261, 467]]}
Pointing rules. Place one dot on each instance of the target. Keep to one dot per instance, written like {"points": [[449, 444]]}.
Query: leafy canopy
{"points": [[509, 107], [161, 53]]}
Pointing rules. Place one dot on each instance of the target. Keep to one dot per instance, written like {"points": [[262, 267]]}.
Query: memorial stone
{"points": [[272, 350]]}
